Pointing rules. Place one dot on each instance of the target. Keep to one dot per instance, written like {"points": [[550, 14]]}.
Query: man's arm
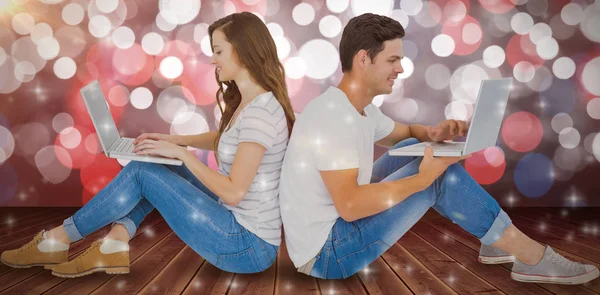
{"points": [[401, 132], [349, 197]]}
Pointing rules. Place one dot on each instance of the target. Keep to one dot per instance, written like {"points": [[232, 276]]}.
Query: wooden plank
{"points": [[447, 269], [16, 239], [581, 233], [37, 280], [455, 232], [496, 275], [144, 268], [256, 283], [209, 280], [417, 277], [378, 278], [25, 213], [15, 226], [351, 285], [289, 280], [176, 275], [137, 247]]}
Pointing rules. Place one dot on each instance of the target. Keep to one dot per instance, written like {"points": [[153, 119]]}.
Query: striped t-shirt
{"points": [[262, 121]]}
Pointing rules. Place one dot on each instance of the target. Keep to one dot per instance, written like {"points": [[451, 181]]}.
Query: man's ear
{"points": [[362, 58]]}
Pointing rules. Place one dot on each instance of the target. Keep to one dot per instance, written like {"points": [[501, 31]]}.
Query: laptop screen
{"points": [[97, 107]]}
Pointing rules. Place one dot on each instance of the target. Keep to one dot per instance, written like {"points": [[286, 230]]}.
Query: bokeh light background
{"points": [[152, 59]]}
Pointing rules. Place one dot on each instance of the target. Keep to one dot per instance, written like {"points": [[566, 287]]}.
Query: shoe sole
{"points": [[496, 259], [574, 280], [109, 270], [45, 265]]}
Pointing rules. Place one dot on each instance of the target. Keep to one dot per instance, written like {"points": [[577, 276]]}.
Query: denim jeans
{"points": [[189, 207], [455, 195]]}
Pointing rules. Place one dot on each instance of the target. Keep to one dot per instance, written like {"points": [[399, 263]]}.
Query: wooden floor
{"points": [[434, 257]]}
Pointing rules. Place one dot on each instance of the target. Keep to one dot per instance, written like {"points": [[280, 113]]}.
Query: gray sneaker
{"points": [[491, 255], [554, 269]]}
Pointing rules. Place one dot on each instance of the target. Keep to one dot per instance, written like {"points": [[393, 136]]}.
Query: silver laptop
{"points": [[483, 130], [113, 144]]}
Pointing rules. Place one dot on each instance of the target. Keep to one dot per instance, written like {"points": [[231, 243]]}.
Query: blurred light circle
{"points": [[171, 67], [563, 68], [275, 29], [501, 23], [539, 31], [537, 7], [442, 45], [118, 95], [542, 80], [407, 109], [596, 146], [303, 14], [410, 48], [141, 98], [569, 137], [520, 48], [429, 16], [408, 66], [191, 124], [567, 158], [173, 101], [123, 37], [317, 53], [106, 6], [51, 1], [183, 11], [411, 7], [295, 68], [99, 26], [401, 17], [498, 6], [466, 81], [130, 61], [524, 71], [7, 144], [73, 14], [572, 14], [2, 56], [48, 48], [561, 121], [533, 175], [591, 22], [456, 110], [8, 82], [92, 144], [40, 31], [593, 108], [486, 166], [456, 31], [455, 11], [438, 76], [521, 23], [560, 30], [153, 43], [61, 121], [200, 31], [24, 71], [165, 22], [522, 131], [54, 163], [65, 68], [70, 137], [337, 6], [471, 33], [588, 143], [330, 26], [72, 39], [378, 100], [283, 46], [493, 56], [30, 138], [547, 48], [23, 23], [205, 46], [589, 76]]}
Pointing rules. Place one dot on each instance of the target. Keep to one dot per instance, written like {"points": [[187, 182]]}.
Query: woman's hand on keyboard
{"points": [[157, 136]]}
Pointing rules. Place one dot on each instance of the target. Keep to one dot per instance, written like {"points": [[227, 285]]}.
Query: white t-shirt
{"points": [[262, 121], [329, 134]]}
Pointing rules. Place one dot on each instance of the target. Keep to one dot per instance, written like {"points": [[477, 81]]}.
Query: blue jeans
{"points": [[455, 195], [190, 209]]}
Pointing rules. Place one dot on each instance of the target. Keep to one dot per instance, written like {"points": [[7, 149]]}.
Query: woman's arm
{"points": [[203, 141], [231, 189]]}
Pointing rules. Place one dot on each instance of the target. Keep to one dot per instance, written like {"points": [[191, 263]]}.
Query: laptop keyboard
{"points": [[444, 146], [125, 146]]}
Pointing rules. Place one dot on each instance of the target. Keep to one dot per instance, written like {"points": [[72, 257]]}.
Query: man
{"points": [[341, 211]]}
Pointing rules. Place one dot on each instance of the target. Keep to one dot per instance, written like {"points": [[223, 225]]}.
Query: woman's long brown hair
{"points": [[255, 49]]}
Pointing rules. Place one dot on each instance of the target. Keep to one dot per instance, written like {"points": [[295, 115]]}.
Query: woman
{"points": [[231, 218]]}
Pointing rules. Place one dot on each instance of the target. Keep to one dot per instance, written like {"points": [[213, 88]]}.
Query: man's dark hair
{"points": [[367, 31]]}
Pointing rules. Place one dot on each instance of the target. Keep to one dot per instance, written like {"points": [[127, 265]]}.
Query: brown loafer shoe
{"points": [[30, 255], [93, 260]]}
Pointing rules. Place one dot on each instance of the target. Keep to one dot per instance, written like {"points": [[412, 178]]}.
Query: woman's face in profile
{"points": [[223, 57]]}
